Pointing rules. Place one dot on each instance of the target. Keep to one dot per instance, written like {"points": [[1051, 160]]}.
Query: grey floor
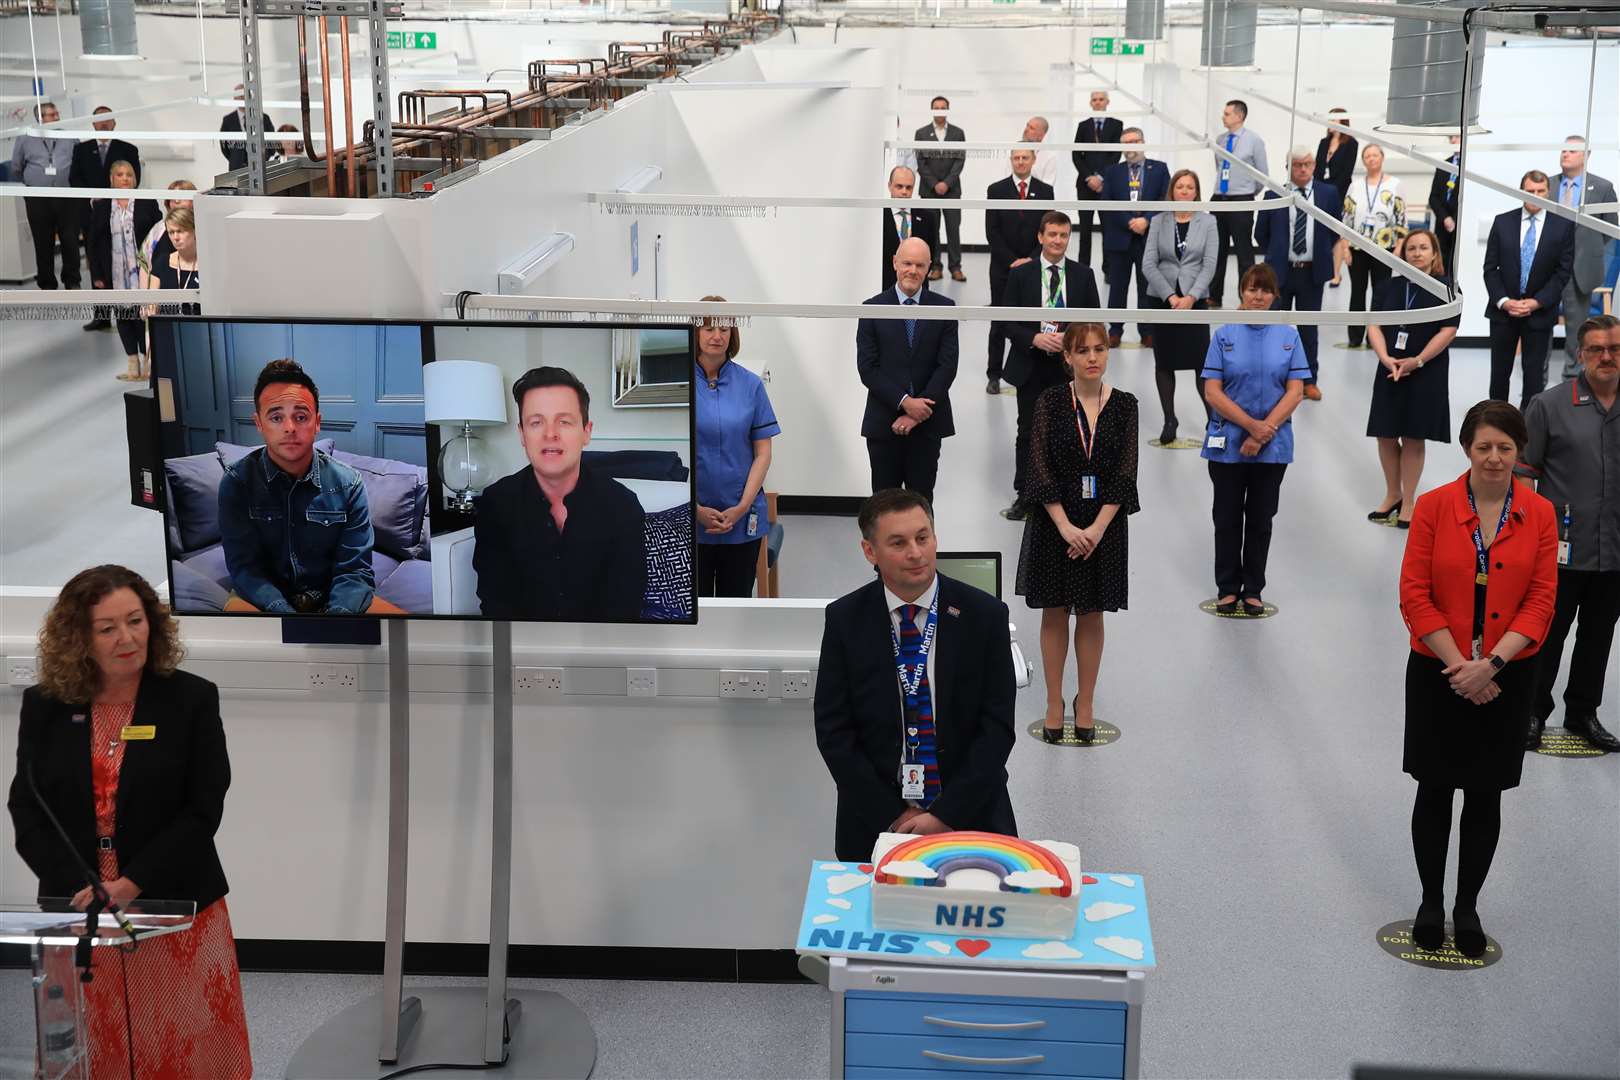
{"points": [[1257, 784]]}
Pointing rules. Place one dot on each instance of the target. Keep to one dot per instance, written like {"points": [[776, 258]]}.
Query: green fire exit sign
{"points": [[413, 39], [1108, 46]]}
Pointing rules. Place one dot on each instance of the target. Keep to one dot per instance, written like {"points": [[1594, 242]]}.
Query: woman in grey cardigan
{"points": [[1179, 264]]}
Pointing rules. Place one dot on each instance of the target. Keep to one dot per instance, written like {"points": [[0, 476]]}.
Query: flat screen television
{"points": [[466, 470]]}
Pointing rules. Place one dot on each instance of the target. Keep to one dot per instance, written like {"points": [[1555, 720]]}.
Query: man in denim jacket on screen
{"points": [[295, 523]]}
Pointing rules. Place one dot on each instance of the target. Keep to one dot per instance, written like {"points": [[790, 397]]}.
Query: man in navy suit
{"points": [[1012, 235], [902, 222], [1135, 179], [1036, 362], [1301, 250], [1529, 257], [907, 366], [916, 670]]}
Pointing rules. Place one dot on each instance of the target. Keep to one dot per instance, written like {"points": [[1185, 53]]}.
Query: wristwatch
{"points": [[1497, 663]]}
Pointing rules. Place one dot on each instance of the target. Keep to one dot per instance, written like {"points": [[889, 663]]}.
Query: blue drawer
{"points": [[992, 1018], [951, 1054], [869, 1073]]}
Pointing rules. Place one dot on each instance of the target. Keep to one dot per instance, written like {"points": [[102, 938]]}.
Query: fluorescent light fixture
{"points": [[641, 180], [515, 278]]}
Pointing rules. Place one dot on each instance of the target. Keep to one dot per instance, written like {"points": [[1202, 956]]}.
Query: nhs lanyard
{"points": [[911, 675], [1481, 552], [1088, 436]]}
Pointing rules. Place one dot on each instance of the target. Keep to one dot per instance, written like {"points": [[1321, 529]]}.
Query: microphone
{"points": [[89, 876]]}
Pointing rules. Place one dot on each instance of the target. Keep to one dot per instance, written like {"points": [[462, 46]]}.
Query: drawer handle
{"points": [[961, 1059], [968, 1025]]}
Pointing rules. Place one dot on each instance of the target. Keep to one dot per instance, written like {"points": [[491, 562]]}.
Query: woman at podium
{"points": [[129, 754]]}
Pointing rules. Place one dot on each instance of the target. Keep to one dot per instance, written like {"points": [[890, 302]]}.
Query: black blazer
{"points": [[1549, 271], [1026, 289], [891, 370], [1442, 201], [171, 791], [924, 226], [1015, 234], [87, 169], [857, 710], [147, 215], [1094, 162], [1337, 169], [236, 152]]}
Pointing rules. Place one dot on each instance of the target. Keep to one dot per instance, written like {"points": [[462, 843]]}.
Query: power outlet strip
{"points": [[538, 683], [752, 685], [341, 677], [641, 682], [797, 685], [21, 671]]}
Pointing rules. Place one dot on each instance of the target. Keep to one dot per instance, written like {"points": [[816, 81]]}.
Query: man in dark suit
{"points": [[1443, 208], [939, 175], [92, 159], [1091, 164], [1136, 179], [236, 156], [915, 683], [1013, 237], [902, 223], [1036, 361], [1301, 250], [1576, 186], [907, 367], [1529, 256]]}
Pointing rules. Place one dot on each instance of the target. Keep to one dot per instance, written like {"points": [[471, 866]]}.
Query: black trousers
{"points": [[1533, 345], [1236, 233], [1364, 269], [1117, 268], [1300, 292], [996, 349], [1246, 497], [1448, 245], [52, 221], [1595, 595], [727, 569], [908, 461], [132, 332], [1083, 220], [950, 237]]}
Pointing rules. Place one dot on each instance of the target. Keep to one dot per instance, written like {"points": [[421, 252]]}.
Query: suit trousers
{"points": [[1117, 269], [1301, 292], [1083, 220], [1448, 246], [950, 238], [1236, 234], [1364, 270], [1532, 343], [1595, 595], [1576, 305], [727, 569], [51, 221], [908, 461], [996, 350], [1246, 498]]}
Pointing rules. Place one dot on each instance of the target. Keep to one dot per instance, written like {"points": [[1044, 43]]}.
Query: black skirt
{"points": [[1453, 743], [1179, 346]]}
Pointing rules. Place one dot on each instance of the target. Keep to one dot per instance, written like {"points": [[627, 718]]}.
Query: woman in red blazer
{"points": [[1477, 587]]}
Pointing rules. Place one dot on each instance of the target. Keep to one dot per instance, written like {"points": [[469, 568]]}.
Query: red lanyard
{"points": [[1088, 439]]}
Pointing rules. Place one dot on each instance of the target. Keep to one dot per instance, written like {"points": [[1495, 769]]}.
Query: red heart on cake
{"points": [[972, 946], [865, 868], [1087, 879]]}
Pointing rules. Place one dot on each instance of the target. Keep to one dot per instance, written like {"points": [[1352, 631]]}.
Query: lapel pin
{"points": [[953, 611], [78, 718]]}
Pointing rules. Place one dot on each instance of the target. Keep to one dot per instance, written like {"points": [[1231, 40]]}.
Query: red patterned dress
{"points": [[175, 1004]]}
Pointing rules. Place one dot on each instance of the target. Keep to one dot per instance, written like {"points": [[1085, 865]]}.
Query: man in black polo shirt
{"points": [[556, 540]]}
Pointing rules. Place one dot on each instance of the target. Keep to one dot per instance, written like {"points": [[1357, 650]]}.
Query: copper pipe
{"points": [[348, 106], [326, 105]]}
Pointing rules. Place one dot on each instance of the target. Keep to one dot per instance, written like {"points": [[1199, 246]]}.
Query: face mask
{"points": [[1100, 112], [939, 117]]}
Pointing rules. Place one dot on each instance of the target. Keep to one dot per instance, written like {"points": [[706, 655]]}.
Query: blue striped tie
{"points": [[911, 325], [923, 718], [1527, 254]]}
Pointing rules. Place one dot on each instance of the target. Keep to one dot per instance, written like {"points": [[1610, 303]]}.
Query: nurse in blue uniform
{"points": [[1255, 380], [735, 423]]}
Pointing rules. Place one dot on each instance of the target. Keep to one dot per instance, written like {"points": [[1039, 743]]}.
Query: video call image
{"points": [[318, 468]]}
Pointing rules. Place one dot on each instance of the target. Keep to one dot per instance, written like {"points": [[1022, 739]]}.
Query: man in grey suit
{"points": [[941, 178], [1577, 187]]}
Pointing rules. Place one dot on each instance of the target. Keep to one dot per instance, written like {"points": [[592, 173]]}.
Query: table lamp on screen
{"points": [[470, 394]]}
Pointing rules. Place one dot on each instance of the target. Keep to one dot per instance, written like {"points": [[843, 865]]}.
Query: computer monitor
{"points": [[981, 569]]}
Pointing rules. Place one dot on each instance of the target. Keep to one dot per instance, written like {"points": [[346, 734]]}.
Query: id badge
{"points": [[1226, 170], [1563, 553], [1216, 442], [1088, 487], [911, 781], [1049, 327], [50, 170], [1479, 649], [1136, 193], [753, 523], [1400, 339], [137, 732]]}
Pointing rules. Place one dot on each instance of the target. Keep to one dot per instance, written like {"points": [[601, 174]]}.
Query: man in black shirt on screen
{"points": [[557, 540]]}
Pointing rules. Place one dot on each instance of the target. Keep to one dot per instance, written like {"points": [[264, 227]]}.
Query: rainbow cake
{"points": [[976, 882]]}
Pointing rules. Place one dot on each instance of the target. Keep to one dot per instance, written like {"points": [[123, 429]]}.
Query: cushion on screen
{"points": [[396, 492], [669, 564], [229, 453], [194, 591], [637, 464], [659, 495], [192, 488], [409, 587]]}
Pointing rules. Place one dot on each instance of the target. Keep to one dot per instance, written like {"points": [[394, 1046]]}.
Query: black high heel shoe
{"points": [[1084, 734], [1167, 434], [1467, 933], [1052, 735], [1381, 516]]}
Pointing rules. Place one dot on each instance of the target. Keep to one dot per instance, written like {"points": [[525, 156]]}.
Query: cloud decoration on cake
{"points": [[844, 905], [839, 884], [1121, 879], [1127, 947], [1052, 950], [823, 920], [915, 871], [1032, 879], [1107, 909], [834, 866], [941, 947]]}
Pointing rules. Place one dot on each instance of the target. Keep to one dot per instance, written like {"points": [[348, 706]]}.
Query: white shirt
{"points": [[1310, 227], [1046, 277], [938, 131], [1525, 217], [1029, 192], [923, 602], [900, 213]]}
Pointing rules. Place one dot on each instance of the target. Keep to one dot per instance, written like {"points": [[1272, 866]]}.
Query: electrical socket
{"points": [[755, 685], [641, 682], [21, 671], [344, 677], [538, 682], [796, 685]]}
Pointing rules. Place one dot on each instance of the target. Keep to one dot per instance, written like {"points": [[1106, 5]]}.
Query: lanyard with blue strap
{"points": [[1482, 571], [911, 675]]}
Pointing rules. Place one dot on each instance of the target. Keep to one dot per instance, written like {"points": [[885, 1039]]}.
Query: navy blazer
{"points": [[858, 714], [1549, 271], [1273, 236], [891, 370], [1116, 224], [1025, 288], [1015, 234]]}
